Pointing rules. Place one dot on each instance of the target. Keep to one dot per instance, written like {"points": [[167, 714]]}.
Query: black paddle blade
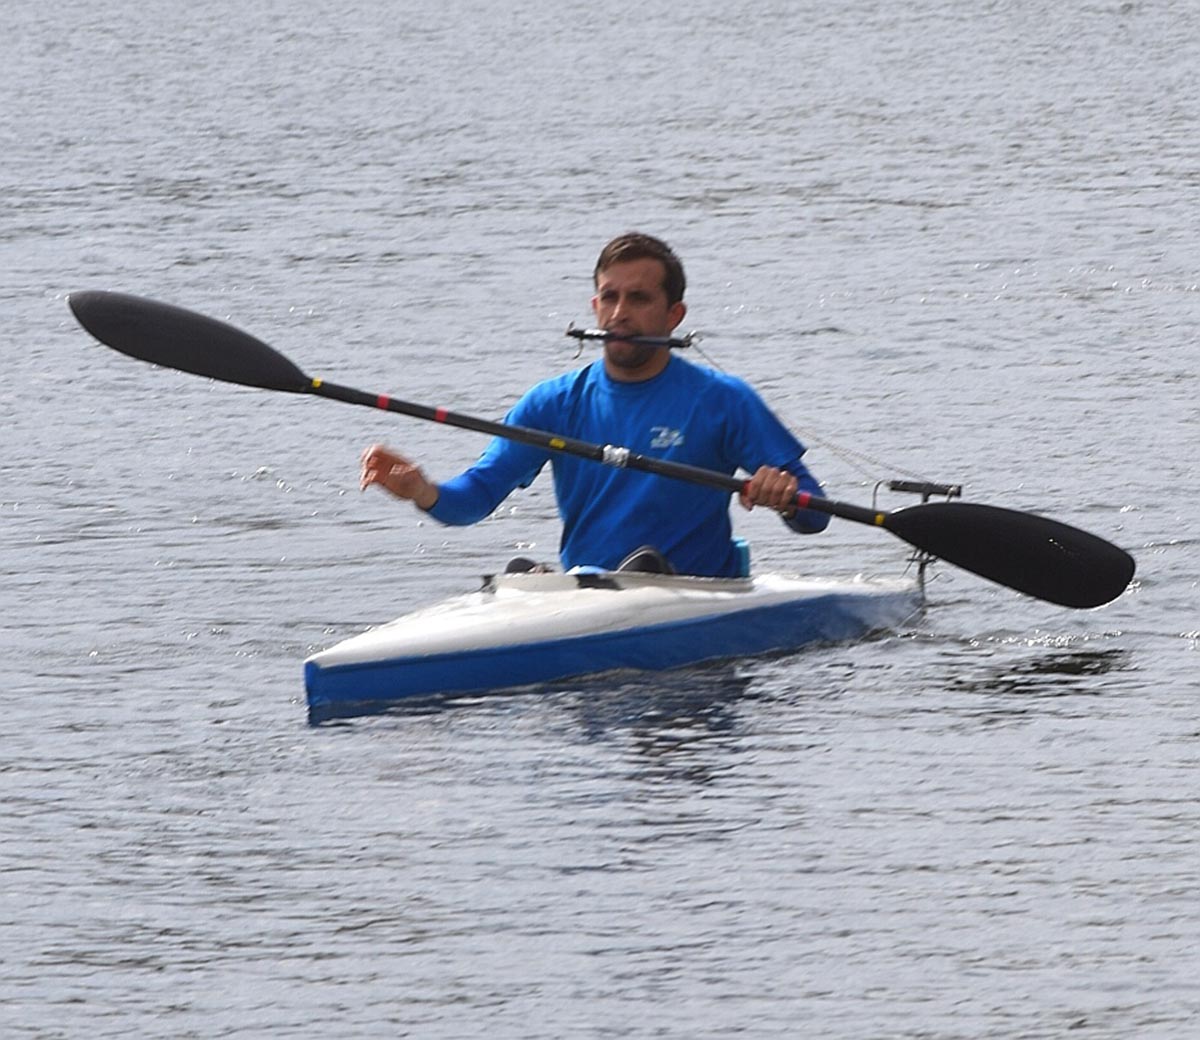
{"points": [[1040, 557], [181, 339]]}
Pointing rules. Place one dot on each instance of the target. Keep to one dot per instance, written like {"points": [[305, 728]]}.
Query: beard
{"points": [[629, 356]]}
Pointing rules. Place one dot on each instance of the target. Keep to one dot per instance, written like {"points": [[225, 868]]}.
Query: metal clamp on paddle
{"points": [[612, 455]]}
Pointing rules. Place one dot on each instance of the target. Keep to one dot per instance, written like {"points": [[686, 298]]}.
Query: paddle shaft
{"points": [[606, 454]]}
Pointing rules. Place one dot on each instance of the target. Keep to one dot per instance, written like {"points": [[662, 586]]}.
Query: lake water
{"points": [[956, 241]]}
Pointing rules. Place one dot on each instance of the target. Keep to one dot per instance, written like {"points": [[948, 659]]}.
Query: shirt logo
{"points": [[665, 437]]}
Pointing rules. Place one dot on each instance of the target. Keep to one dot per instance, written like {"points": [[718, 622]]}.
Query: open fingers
{"points": [[378, 464]]}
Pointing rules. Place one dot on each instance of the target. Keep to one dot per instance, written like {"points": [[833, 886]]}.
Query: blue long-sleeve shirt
{"points": [[686, 414]]}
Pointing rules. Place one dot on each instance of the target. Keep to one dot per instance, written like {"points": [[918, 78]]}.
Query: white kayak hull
{"points": [[523, 629]]}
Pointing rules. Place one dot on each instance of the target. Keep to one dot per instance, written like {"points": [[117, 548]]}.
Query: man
{"points": [[639, 397]]}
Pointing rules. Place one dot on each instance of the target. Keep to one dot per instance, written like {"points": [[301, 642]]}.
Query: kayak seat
{"points": [[648, 560], [524, 565]]}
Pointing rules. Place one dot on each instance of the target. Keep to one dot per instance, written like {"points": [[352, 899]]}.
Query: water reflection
{"points": [[673, 722], [700, 698], [677, 725], [1053, 674]]}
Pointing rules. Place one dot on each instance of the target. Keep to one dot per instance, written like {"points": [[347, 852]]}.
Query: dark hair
{"points": [[636, 246]]}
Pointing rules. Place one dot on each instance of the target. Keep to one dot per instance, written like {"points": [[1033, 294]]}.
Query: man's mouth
{"points": [[618, 335]]}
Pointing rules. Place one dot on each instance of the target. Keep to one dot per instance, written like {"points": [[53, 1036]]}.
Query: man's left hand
{"points": [[770, 487]]}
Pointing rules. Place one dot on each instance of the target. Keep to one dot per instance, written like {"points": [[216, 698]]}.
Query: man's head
{"points": [[636, 246], [639, 292]]}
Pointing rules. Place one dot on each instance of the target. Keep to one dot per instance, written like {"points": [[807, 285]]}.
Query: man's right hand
{"points": [[395, 473]]}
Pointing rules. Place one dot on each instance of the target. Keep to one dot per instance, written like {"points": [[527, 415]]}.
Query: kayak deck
{"points": [[522, 629]]}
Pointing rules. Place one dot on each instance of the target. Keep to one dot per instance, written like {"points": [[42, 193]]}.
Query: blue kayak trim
{"points": [[346, 689]]}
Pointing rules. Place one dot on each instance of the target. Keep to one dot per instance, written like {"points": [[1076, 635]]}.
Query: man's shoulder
{"points": [[552, 392], [563, 383], [703, 377]]}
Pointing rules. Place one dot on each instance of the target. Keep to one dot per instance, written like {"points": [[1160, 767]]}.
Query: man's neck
{"points": [[657, 364]]}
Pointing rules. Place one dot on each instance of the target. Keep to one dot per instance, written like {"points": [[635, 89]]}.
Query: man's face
{"points": [[630, 300]]}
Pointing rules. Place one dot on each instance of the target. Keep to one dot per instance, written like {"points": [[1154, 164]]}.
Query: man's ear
{"points": [[675, 313]]}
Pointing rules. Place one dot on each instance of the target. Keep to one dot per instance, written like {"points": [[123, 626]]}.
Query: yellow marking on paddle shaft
{"points": [[879, 517], [316, 383], [556, 442]]}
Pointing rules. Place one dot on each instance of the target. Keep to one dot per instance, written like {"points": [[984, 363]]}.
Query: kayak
{"points": [[531, 628]]}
